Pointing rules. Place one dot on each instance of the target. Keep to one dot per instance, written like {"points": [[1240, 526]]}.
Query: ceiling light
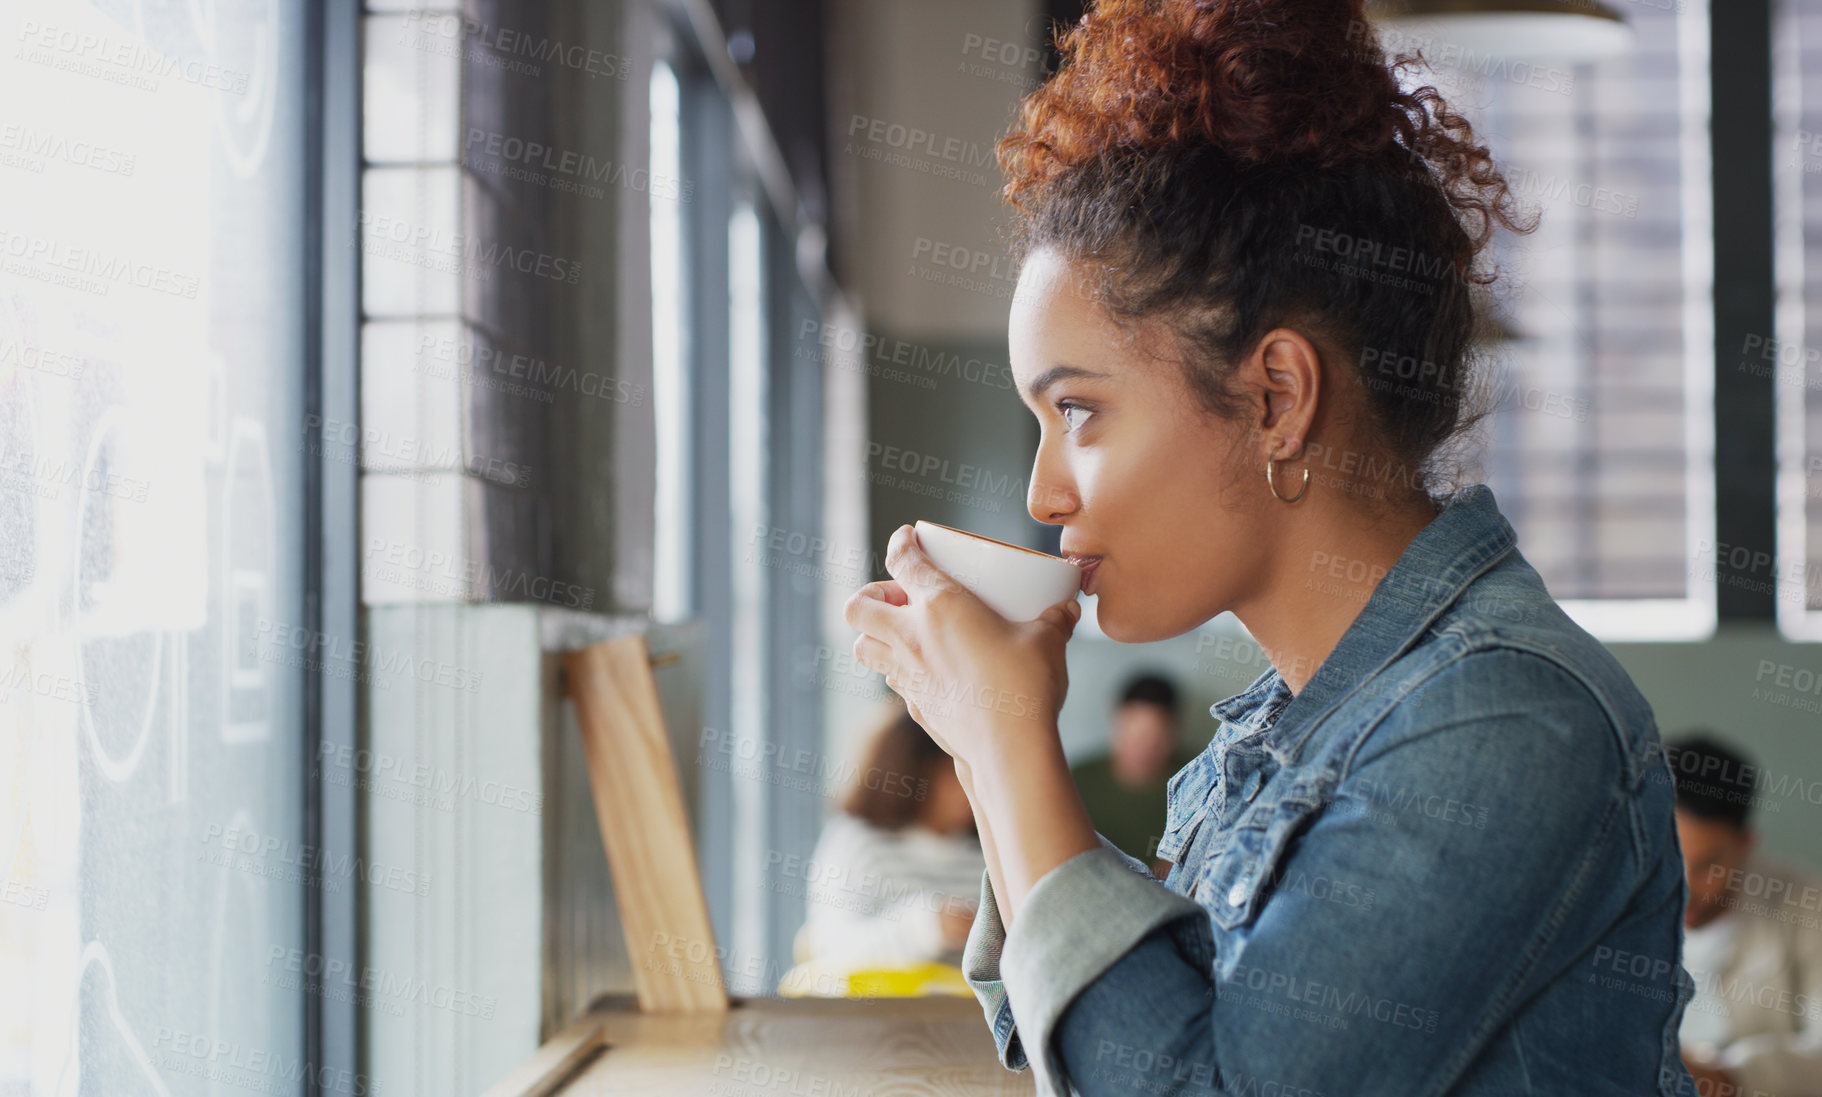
{"points": [[1570, 31]]}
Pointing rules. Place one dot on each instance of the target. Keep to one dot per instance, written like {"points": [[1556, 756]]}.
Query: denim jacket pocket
{"points": [[1235, 882]]}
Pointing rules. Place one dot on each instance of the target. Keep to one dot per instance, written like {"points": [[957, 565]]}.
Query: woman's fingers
{"points": [[907, 563], [886, 590], [875, 655], [869, 609], [1063, 617]]}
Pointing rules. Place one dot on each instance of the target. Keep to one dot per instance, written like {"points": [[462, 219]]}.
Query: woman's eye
{"points": [[1065, 409]]}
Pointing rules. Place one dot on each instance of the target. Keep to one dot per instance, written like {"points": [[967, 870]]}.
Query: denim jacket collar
{"points": [[1466, 538]]}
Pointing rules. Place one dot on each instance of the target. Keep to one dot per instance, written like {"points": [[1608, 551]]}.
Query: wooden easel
{"points": [[639, 804], [684, 1040]]}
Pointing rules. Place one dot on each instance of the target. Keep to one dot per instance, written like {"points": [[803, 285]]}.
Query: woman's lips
{"points": [[1088, 564]]}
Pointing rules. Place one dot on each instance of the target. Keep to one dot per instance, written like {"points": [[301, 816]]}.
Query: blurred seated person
{"points": [[1124, 789], [896, 874], [1752, 939]]}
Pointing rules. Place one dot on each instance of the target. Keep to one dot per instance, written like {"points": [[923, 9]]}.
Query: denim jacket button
{"points": [[1237, 894]]}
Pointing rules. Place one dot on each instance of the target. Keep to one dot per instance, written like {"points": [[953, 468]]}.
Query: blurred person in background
{"points": [[897, 871], [1752, 938], [1125, 789]]}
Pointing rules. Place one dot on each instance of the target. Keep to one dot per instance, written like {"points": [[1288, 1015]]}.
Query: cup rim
{"points": [[993, 540]]}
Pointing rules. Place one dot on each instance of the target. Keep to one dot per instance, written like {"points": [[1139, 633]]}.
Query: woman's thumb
{"points": [[1064, 616]]}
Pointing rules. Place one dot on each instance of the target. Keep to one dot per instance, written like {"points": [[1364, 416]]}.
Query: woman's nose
{"points": [[1050, 498]]}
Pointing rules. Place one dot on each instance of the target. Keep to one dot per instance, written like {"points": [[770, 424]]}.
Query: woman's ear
{"points": [[1287, 369]]}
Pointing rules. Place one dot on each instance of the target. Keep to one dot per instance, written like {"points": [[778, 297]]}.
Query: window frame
{"points": [[334, 59], [1745, 296]]}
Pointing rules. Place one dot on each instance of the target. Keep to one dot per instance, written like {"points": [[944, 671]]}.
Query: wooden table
{"points": [[779, 1047]]}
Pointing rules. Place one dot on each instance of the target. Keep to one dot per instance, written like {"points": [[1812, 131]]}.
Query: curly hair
{"points": [[1234, 166]]}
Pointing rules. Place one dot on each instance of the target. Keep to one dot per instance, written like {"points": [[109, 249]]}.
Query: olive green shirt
{"points": [[1130, 818]]}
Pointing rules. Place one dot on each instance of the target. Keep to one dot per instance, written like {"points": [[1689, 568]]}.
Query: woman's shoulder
{"points": [[1495, 715], [1490, 677], [1508, 639]]}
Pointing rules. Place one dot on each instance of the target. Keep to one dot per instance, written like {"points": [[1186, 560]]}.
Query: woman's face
{"points": [[1139, 476]]}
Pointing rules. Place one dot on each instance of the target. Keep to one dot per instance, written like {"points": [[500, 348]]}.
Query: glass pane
{"points": [[1793, 355], [410, 77], [152, 869], [1599, 445], [747, 449], [670, 351]]}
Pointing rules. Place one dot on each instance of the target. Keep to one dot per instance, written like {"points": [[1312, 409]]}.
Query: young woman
{"points": [[1431, 851]]}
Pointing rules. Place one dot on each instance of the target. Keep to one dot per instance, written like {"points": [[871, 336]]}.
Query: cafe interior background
{"points": [[356, 364]]}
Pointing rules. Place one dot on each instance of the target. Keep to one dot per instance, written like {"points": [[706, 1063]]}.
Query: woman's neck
{"points": [[1329, 561]]}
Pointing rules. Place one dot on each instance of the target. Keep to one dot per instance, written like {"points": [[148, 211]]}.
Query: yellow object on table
{"points": [[813, 980]]}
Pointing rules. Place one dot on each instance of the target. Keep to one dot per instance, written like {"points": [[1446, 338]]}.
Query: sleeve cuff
{"points": [[1079, 919], [981, 971], [1137, 866]]}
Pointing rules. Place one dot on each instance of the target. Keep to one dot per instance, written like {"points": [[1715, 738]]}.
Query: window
{"points": [[1601, 445], [672, 557], [1793, 355], [742, 423], [155, 867], [748, 435]]}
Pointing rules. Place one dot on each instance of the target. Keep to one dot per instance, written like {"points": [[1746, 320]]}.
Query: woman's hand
{"points": [[962, 669]]}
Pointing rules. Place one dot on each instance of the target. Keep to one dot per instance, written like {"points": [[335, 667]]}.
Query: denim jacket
{"points": [[1446, 866]]}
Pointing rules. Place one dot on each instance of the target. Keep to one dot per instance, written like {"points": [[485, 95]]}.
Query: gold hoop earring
{"points": [[1273, 484]]}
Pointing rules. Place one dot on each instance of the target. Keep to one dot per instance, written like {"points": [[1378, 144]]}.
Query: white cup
{"points": [[1016, 583]]}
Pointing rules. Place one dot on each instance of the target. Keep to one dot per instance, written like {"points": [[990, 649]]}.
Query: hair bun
{"points": [[1270, 83]]}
